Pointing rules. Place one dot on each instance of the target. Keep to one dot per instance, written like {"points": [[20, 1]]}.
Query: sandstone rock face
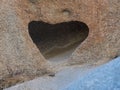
{"points": [[104, 77], [20, 56]]}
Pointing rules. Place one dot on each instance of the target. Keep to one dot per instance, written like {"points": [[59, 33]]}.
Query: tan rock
{"points": [[18, 53]]}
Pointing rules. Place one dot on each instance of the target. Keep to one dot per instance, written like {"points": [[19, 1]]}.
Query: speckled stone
{"points": [[20, 56]]}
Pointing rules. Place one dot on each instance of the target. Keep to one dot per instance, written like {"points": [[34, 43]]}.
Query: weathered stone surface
{"points": [[20, 56], [104, 77], [102, 18], [60, 81]]}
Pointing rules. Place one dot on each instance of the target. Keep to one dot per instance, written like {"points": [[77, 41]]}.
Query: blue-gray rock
{"points": [[105, 77]]}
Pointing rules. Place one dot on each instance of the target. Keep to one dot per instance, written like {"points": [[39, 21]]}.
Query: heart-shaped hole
{"points": [[59, 39]]}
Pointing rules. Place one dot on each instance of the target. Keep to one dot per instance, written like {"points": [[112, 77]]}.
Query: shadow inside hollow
{"points": [[56, 38]]}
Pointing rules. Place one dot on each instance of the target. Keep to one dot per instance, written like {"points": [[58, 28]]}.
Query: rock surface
{"points": [[61, 79], [105, 77], [19, 56]]}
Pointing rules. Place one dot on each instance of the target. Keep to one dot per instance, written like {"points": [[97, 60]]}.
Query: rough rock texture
{"points": [[102, 18], [20, 56], [104, 77]]}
